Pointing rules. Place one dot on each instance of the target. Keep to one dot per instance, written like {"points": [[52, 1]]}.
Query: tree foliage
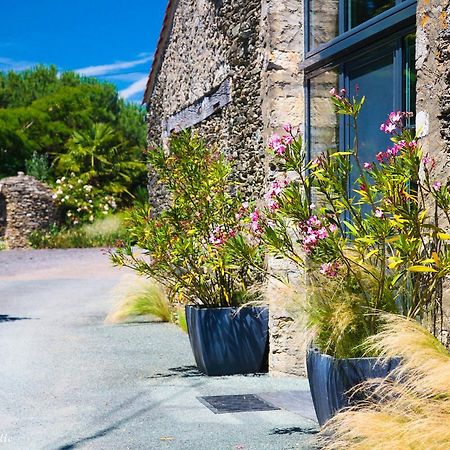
{"points": [[44, 112]]}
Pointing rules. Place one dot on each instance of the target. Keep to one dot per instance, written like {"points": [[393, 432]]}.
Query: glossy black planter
{"points": [[228, 341], [330, 379]]}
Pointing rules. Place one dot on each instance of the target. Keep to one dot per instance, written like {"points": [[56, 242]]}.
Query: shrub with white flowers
{"points": [[80, 201]]}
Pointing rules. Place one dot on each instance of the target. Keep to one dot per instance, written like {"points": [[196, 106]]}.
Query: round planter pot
{"points": [[330, 379], [228, 341]]}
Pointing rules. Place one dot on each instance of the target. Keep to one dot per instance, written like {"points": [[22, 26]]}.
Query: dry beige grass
{"points": [[415, 412], [137, 296]]}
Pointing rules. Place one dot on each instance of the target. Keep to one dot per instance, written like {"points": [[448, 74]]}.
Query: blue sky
{"points": [[112, 40]]}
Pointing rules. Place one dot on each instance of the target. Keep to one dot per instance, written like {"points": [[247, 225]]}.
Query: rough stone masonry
{"points": [[26, 205]]}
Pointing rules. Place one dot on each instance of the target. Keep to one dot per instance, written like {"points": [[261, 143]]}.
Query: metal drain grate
{"points": [[222, 404]]}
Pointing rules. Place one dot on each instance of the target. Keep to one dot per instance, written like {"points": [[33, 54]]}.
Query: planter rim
{"points": [[325, 355], [227, 307]]}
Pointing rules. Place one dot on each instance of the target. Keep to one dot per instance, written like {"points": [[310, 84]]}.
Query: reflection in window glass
{"points": [[324, 19], [375, 80], [409, 72], [361, 10], [324, 124]]}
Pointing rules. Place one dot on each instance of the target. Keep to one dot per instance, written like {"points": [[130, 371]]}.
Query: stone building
{"points": [[237, 70], [26, 205]]}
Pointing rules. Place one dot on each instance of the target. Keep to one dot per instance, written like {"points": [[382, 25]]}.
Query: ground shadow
{"points": [[293, 430], [179, 372], [7, 318]]}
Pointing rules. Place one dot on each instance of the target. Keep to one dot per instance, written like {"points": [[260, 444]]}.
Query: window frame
{"points": [[393, 20], [388, 27]]}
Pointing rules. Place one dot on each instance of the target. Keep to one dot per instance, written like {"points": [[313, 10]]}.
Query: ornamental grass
{"points": [[410, 410]]}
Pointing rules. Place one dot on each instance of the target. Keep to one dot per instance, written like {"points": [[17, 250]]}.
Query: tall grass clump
{"points": [[411, 409], [141, 297]]}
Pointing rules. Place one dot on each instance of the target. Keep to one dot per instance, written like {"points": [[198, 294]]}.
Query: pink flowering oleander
{"points": [[242, 210], [255, 218], [287, 127], [437, 185], [379, 213], [395, 122], [219, 235], [330, 269], [313, 231], [279, 144], [428, 162], [368, 166]]}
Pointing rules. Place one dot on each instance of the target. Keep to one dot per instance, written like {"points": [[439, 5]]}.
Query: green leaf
{"points": [[421, 269]]}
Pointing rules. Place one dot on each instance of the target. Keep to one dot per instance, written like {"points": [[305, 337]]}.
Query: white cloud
{"points": [[134, 88], [127, 76], [9, 64], [105, 69]]}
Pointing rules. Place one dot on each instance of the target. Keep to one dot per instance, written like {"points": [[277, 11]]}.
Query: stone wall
{"points": [[433, 98], [282, 91], [210, 42], [26, 205]]}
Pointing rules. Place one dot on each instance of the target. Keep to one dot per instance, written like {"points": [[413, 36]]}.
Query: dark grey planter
{"points": [[228, 341], [330, 380]]}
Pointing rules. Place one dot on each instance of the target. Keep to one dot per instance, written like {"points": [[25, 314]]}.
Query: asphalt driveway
{"points": [[69, 380]]}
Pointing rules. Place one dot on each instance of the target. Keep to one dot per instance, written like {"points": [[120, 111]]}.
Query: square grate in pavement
{"points": [[222, 404]]}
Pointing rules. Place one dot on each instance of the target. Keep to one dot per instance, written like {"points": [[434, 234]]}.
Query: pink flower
{"points": [[287, 140], [330, 269], [276, 144], [333, 228], [379, 213], [388, 127], [380, 157], [275, 189], [274, 141], [242, 210], [255, 217], [437, 185], [396, 117], [274, 205], [428, 162], [394, 122], [287, 127], [313, 221], [333, 91], [343, 92], [218, 236], [368, 166], [322, 233]]}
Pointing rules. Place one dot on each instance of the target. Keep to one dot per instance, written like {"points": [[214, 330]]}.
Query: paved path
{"points": [[68, 380]]}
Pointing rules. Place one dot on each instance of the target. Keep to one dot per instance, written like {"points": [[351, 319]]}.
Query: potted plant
{"points": [[375, 245], [188, 249]]}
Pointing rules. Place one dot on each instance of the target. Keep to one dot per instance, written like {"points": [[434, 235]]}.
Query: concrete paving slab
{"points": [[68, 380]]}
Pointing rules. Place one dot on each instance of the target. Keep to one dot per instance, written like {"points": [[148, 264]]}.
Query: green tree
{"points": [[40, 110], [99, 156]]}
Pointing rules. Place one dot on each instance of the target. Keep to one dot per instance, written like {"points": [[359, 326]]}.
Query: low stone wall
{"points": [[27, 206]]}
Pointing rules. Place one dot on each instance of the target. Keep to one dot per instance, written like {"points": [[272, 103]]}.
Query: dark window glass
{"points": [[375, 80], [409, 73], [361, 10]]}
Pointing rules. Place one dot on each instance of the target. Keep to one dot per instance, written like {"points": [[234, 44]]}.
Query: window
{"points": [[366, 46]]}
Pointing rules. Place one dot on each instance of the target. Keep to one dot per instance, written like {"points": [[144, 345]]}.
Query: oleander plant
{"points": [[381, 244], [190, 247]]}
